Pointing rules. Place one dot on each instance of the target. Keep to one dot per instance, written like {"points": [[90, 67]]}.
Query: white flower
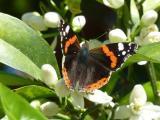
{"points": [[117, 35], [139, 108], [146, 30], [49, 109], [61, 89], [49, 75], [35, 20], [78, 23], [149, 17], [77, 98], [148, 35], [52, 19], [114, 3]]}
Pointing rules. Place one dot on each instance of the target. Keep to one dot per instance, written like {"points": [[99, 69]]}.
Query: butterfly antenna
{"points": [[102, 35]]}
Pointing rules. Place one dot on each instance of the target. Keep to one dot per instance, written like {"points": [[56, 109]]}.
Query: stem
{"points": [[153, 82], [89, 110]]}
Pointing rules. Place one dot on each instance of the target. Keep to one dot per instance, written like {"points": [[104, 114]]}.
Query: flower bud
{"points": [[49, 109], [49, 75], [35, 104], [78, 23], [117, 35], [61, 89], [114, 3], [35, 20], [149, 17], [138, 95], [52, 19]]}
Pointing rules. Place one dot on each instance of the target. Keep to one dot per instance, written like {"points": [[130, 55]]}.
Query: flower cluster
{"points": [[51, 20]]}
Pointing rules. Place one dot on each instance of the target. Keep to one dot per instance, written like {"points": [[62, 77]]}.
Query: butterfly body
{"points": [[87, 70]]}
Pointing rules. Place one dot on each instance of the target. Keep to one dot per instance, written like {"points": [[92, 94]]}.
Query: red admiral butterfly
{"points": [[87, 70]]}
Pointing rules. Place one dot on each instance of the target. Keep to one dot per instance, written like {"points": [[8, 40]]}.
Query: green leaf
{"points": [[149, 52], [11, 56], [74, 6], [150, 5], [14, 80], [16, 33], [16, 107], [31, 92], [134, 12]]}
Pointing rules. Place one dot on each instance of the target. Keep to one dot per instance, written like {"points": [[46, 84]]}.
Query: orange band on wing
{"points": [[97, 85], [69, 42], [111, 55], [65, 76]]}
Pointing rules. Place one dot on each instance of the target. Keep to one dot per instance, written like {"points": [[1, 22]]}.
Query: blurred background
{"points": [[18, 7]]}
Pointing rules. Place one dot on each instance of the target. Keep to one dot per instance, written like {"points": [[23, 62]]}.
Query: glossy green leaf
{"points": [[149, 52], [31, 92], [27, 41], [13, 57], [134, 12], [16, 107], [14, 80], [74, 6]]}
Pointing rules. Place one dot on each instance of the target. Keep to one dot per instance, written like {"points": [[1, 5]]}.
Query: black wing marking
{"points": [[69, 41], [112, 56]]}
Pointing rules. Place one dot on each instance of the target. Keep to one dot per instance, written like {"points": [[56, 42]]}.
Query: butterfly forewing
{"points": [[69, 41], [112, 56]]}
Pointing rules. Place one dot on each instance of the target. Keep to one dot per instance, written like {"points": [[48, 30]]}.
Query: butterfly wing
{"points": [[85, 76], [69, 42], [112, 56]]}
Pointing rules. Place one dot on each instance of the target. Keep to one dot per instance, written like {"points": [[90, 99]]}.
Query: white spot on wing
{"points": [[124, 52], [120, 46], [67, 29]]}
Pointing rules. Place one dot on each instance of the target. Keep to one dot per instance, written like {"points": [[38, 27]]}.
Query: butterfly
{"points": [[86, 70]]}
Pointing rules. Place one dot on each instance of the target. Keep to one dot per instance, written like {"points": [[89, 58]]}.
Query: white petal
{"points": [[77, 100], [151, 111], [78, 23], [61, 89], [49, 109], [117, 35], [99, 97], [151, 38], [146, 30], [138, 95], [35, 104], [35, 20], [52, 19], [149, 17], [49, 75], [136, 117], [122, 112], [114, 3]]}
